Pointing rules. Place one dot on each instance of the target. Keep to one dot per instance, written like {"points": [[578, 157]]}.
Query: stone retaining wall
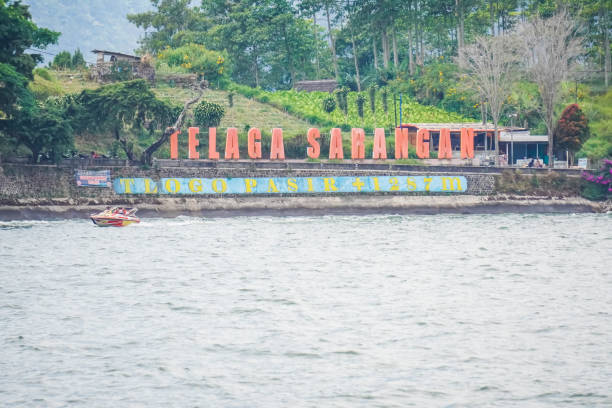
{"points": [[50, 182]]}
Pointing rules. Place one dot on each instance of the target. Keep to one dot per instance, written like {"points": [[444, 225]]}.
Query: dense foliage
{"points": [[310, 106], [209, 65], [572, 130], [599, 113], [208, 114], [18, 33], [125, 109], [599, 183], [17, 106], [45, 129]]}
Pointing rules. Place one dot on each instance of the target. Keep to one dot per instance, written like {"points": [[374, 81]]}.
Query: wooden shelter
{"points": [[321, 85], [106, 61]]}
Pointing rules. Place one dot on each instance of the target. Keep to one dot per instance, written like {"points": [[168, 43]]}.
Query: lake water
{"points": [[339, 311]]}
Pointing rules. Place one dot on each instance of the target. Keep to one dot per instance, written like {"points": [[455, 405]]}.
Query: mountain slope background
{"points": [[89, 24]]}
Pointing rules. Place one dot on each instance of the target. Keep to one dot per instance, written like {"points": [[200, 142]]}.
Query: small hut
{"points": [[321, 85], [106, 61]]}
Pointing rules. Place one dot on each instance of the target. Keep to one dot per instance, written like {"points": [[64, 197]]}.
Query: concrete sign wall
{"points": [[291, 185]]}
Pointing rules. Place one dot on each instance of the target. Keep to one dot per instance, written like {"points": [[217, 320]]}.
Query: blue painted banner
{"points": [[91, 178], [291, 185]]}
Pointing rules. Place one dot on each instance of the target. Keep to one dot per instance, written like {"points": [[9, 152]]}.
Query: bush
{"points": [[329, 104], [43, 73], [598, 185], [385, 94], [208, 114], [372, 93], [360, 101], [208, 64], [341, 97]]}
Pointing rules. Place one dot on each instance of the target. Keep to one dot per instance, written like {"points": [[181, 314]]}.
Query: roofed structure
{"points": [[477, 126], [321, 85], [118, 56], [108, 61]]}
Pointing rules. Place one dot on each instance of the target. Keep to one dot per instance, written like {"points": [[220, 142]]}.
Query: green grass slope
{"points": [[292, 111], [309, 106], [598, 109]]}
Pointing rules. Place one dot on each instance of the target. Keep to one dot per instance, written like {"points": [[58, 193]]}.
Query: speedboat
{"points": [[115, 217]]}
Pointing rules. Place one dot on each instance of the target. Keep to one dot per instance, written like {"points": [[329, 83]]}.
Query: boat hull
{"points": [[114, 221]]}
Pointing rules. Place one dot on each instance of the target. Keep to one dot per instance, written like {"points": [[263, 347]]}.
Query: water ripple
{"points": [[334, 311]]}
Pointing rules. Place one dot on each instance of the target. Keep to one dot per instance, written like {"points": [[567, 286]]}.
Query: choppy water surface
{"points": [[368, 311]]}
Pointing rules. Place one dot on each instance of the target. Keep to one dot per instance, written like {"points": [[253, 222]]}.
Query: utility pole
{"points": [[512, 116]]}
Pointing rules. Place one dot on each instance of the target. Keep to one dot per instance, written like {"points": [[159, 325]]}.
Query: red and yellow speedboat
{"points": [[115, 217]]}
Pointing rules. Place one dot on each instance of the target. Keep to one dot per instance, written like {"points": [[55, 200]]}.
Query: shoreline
{"points": [[170, 207]]}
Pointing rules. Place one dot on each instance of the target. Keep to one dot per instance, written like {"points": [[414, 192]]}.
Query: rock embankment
{"points": [[259, 205]]}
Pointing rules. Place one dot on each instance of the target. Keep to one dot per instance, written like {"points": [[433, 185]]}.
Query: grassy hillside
{"points": [[294, 112], [309, 106], [598, 109], [244, 114]]}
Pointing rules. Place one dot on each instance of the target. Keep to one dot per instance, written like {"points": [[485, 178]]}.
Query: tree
{"points": [[572, 130], [44, 129], [174, 23], [147, 155], [78, 61], [62, 60], [123, 109], [489, 63], [18, 33], [549, 48]]}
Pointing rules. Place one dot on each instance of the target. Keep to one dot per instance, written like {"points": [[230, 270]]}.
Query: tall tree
{"points": [[18, 34], [123, 108], [43, 128], [489, 63], [173, 23], [572, 130], [549, 48]]}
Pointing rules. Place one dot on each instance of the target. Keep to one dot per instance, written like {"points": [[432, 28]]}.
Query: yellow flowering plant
{"points": [[195, 58]]}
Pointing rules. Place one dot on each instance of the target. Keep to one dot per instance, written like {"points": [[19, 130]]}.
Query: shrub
{"points": [[43, 73], [342, 98], [208, 114], [329, 104], [599, 184], [210, 65], [385, 94], [372, 93], [360, 101]]}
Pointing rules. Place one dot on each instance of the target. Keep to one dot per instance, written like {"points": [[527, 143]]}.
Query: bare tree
{"points": [[549, 48], [489, 66], [147, 155]]}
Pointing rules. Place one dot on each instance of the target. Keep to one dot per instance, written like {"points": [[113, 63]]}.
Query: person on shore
{"points": [[531, 163]]}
